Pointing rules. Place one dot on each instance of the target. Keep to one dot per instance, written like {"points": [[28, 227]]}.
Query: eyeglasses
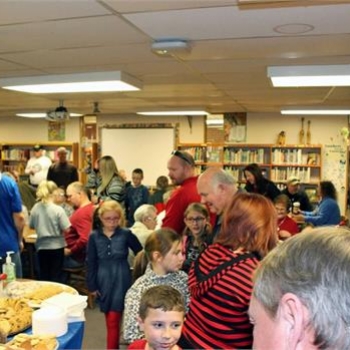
{"points": [[111, 219], [152, 219], [195, 220], [182, 156]]}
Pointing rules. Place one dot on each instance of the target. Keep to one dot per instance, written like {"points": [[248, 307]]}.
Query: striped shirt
{"points": [[217, 317]]}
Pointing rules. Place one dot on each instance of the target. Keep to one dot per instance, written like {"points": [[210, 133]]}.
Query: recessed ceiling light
{"points": [[69, 83], [309, 76], [174, 113]]}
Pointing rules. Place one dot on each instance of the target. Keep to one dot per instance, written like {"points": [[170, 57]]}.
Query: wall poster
{"points": [[235, 127], [56, 131]]}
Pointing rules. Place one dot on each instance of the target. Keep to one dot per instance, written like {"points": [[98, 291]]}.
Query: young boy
{"points": [[136, 195], [161, 316]]}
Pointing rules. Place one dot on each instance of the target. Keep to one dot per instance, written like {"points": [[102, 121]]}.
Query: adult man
{"points": [[81, 220], [302, 291], [11, 222], [181, 168], [62, 172], [295, 194], [37, 166], [216, 188]]}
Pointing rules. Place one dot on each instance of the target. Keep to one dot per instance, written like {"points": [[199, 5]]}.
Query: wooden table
{"points": [[29, 238]]}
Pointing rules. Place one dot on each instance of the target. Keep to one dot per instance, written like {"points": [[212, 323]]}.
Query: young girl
{"points": [[162, 259], [50, 223], [196, 234], [108, 271]]}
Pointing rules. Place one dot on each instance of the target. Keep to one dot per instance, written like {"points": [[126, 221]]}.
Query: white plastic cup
{"points": [[296, 208]]}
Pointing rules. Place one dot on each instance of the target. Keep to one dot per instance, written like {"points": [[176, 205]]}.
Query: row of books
{"points": [[25, 154], [244, 156], [283, 174], [296, 156]]}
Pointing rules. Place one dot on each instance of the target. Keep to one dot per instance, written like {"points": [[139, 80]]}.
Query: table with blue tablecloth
{"points": [[73, 339]]}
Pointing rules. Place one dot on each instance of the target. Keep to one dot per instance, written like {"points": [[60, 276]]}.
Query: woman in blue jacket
{"points": [[328, 212]]}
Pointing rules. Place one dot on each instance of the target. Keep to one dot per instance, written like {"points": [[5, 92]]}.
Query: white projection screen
{"points": [[145, 148]]}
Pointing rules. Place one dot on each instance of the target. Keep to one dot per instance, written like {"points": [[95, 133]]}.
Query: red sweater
{"points": [[78, 234], [178, 203]]}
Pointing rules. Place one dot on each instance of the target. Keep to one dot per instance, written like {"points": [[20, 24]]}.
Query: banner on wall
{"points": [[235, 127], [335, 161]]}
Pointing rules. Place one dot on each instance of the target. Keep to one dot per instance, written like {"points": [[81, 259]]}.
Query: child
{"points": [[162, 259], [108, 271], [161, 316], [60, 199], [136, 195], [50, 223], [196, 234]]}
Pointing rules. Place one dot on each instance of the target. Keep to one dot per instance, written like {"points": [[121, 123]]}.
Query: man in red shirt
{"points": [[81, 220], [182, 169]]}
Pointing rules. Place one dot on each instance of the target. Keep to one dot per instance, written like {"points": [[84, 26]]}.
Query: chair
{"points": [[77, 280]]}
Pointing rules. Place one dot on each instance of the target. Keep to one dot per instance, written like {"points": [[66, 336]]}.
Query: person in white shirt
{"points": [[38, 166]]}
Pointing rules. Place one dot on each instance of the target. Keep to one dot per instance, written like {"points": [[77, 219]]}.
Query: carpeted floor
{"points": [[95, 330]]}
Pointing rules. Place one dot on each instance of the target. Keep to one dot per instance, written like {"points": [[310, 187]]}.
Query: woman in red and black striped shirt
{"points": [[220, 281]]}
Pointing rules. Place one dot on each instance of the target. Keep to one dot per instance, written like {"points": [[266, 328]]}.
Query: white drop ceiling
{"points": [[233, 43]]}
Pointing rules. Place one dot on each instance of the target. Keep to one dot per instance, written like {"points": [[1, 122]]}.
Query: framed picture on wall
{"points": [[57, 131], [235, 127]]}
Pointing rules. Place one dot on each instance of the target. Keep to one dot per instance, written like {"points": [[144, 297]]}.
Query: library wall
{"points": [[16, 129], [186, 132]]}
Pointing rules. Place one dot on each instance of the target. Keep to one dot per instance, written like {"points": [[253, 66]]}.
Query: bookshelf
{"points": [[278, 163], [14, 156]]}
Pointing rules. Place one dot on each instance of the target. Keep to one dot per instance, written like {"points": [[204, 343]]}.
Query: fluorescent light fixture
{"points": [[42, 115], [174, 113], [68, 83], [308, 76], [310, 111], [215, 122]]}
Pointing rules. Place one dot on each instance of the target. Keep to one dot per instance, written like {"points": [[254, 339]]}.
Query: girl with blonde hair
{"points": [[106, 180], [50, 223], [108, 271]]}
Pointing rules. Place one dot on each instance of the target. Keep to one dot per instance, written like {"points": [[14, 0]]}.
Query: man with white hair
{"points": [[62, 172], [216, 188], [301, 295]]}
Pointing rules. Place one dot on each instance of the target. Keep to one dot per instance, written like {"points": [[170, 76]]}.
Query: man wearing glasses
{"points": [[181, 167]]}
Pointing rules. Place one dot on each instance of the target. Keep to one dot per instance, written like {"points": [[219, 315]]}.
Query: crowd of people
{"points": [[217, 265]]}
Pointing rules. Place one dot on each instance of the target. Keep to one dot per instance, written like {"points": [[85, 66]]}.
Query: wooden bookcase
{"points": [[14, 156], [278, 163]]}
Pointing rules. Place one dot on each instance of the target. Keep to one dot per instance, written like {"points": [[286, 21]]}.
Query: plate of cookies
{"points": [[15, 316], [31, 342], [35, 292]]}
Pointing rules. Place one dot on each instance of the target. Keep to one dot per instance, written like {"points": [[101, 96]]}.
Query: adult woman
{"points": [[197, 233], [108, 271], [106, 180], [145, 222], [257, 183], [220, 280], [286, 226], [327, 212], [159, 263]]}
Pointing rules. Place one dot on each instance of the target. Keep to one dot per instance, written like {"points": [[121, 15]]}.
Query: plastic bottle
{"points": [[9, 268]]}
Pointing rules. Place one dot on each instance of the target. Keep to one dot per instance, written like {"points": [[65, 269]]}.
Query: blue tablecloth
{"points": [[73, 339]]}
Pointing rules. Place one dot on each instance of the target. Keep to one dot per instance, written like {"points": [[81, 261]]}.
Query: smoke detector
{"points": [[170, 47]]}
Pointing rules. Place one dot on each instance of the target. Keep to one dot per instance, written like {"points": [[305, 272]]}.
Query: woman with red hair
{"points": [[220, 280]]}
